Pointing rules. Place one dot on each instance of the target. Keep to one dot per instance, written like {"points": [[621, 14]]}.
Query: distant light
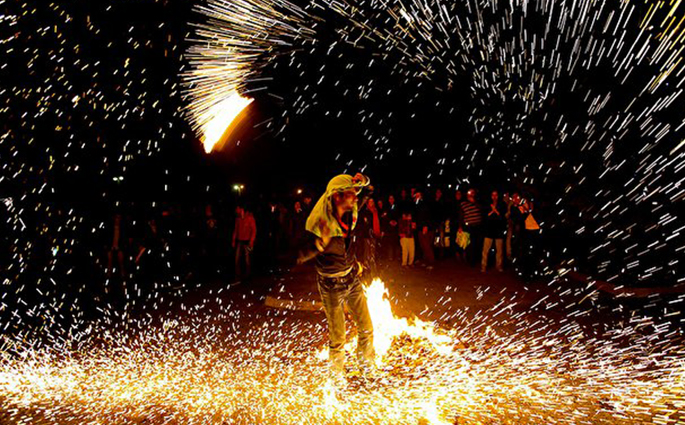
{"points": [[118, 179], [236, 187], [299, 191]]}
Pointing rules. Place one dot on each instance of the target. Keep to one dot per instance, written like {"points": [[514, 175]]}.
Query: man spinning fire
{"points": [[332, 222]]}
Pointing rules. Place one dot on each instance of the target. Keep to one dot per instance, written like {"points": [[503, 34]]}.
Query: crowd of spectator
{"points": [[455, 226], [406, 229]]}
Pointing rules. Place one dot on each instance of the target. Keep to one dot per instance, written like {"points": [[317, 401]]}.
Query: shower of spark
{"points": [[582, 100], [229, 50], [583, 96], [191, 371]]}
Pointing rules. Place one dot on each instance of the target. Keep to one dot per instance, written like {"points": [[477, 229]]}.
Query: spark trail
{"points": [[504, 370]]}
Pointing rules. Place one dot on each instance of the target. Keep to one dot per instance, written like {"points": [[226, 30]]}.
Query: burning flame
{"points": [[480, 371], [387, 326], [220, 117]]}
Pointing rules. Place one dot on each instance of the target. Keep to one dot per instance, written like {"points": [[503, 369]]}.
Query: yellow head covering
{"points": [[322, 213]]}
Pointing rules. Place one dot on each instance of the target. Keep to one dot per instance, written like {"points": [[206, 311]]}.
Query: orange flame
{"points": [[220, 117]]}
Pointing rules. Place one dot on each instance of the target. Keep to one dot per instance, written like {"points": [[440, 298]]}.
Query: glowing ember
{"points": [[579, 99], [512, 371]]}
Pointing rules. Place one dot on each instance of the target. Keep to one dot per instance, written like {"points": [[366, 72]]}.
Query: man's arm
{"points": [[308, 251], [314, 245], [311, 248], [366, 191]]}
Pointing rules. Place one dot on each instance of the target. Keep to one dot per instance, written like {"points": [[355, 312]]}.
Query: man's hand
{"points": [[358, 178], [325, 233]]}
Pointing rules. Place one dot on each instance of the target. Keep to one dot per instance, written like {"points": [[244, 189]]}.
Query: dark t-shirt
{"points": [[389, 214], [424, 215], [495, 225], [405, 206], [365, 224]]}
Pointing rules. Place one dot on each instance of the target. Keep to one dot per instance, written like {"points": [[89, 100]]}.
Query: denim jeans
{"points": [[335, 292], [370, 253], [426, 243], [487, 244], [242, 251], [474, 250], [391, 247]]}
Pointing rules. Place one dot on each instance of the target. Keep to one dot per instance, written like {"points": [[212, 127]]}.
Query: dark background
{"points": [[93, 121]]}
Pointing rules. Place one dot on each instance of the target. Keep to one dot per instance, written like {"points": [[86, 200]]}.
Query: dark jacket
{"points": [[297, 224], [424, 215], [439, 210], [390, 213], [495, 224], [365, 225]]}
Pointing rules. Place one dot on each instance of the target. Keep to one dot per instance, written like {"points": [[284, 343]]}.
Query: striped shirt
{"points": [[471, 213]]}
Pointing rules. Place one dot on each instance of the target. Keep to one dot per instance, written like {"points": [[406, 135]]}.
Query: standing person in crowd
{"points": [[297, 223], [307, 204], [389, 229], [331, 224], [441, 220], [210, 244], [472, 219], [150, 256], [508, 202], [369, 233], [517, 224], [380, 249], [495, 229], [425, 224], [283, 232], [380, 205], [530, 239], [244, 235], [405, 203], [116, 247], [272, 234], [406, 228], [457, 221]]}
